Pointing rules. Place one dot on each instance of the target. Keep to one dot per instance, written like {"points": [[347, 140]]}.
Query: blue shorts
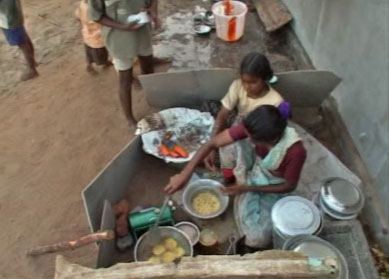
{"points": [[15, 37]]}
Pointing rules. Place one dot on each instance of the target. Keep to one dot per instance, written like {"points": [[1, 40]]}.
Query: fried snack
{"points": [[206, 203], [163, 150], [158, 250], [179, 252], [170, 244], [180, 150], [168, 257], [154, 259]]}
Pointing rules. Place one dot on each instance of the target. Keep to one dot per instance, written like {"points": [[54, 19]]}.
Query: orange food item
{"points": [[164, 150], [174, 154], [180, 150]]}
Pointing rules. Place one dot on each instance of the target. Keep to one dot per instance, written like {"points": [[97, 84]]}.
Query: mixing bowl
{"points": [[204, 185], [144, 245]]}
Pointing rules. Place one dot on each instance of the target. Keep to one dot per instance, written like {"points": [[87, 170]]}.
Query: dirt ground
{"points": [[57, 132]]}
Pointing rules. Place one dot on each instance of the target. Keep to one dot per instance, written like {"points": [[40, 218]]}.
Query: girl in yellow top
{"points": [[91, 34], [249, 92]]}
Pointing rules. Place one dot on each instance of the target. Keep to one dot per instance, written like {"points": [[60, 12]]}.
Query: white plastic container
{"points": [[230, 28]]}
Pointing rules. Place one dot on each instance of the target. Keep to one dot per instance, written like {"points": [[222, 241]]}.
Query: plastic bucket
{"points": [[230, 26]]}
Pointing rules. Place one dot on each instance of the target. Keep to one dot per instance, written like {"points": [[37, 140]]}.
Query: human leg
{"points": [[19, 37], [125, 94], [89, 61], [146, 64], [28, 51]]}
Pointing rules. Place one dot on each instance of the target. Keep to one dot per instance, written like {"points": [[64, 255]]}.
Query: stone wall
{"points": [[351, 38]]}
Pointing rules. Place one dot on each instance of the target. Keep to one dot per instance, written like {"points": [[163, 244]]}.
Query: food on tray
{"points": [[181, 151], [159, 249], [179, 252], [163, 150], [166, 251], [172, 150], [170, 244], [168, 257], [206, 203]]}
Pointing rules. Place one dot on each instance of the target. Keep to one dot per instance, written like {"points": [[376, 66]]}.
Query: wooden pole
{"points": [[71, 245], [264, 265]]}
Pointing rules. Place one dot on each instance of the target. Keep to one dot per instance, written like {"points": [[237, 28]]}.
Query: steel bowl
{"points": [[195, 236], [202, 29], [144, 245], [204, 185]]}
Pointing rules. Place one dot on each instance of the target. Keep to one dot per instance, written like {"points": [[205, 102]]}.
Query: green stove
{"points": [[140, 221]]}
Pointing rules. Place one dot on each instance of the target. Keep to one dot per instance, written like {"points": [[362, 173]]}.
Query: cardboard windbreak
{"points": [[187, 88]]}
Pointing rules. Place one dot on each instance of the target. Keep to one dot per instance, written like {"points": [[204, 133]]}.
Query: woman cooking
{"points": [[268, 162], [250, 91]]}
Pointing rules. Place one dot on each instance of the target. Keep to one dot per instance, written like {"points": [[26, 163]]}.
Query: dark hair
{"points": [[257, 65], [265, 124]]}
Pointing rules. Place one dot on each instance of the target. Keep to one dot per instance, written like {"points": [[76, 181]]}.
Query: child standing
{"points": [[91, 33]]}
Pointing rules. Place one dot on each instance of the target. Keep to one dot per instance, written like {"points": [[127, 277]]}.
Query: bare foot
{"points": [[136, 83], [29, 74], [91, 70]]}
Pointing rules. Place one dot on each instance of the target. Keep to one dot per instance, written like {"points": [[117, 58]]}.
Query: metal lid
{"points": [[316, 248], [295, 215], [342, 196], [335, 214]]}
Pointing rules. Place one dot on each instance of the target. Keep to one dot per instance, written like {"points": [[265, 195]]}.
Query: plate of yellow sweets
{"points": [[171, 245]]}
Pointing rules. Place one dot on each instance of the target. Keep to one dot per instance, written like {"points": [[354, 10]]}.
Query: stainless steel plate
{"points": [[333, 213], [317, 248], [342, 196], [295, 215]]}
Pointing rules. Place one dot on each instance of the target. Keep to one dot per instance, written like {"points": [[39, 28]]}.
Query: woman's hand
{"points": [[176, 182], [233, 190], [210, 160]]}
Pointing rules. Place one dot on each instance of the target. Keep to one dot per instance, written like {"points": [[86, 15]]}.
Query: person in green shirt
{"points": [[126, 41], [12, 24]]}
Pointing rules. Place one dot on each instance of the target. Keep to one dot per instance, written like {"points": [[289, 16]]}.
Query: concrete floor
{"points": [[187, 50]]}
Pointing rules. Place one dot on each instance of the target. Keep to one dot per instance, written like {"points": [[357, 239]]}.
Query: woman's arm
{"points": [[178, 181], [220, 125], [221, 121]]}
